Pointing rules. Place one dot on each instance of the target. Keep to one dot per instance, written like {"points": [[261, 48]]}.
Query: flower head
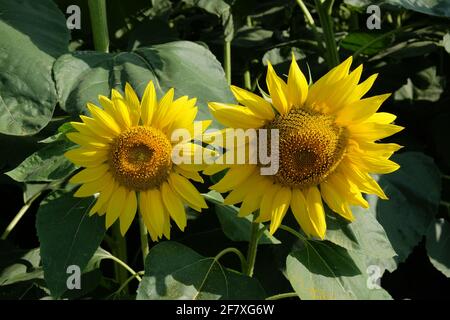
{"points": [[328, 147], [126, 151]]}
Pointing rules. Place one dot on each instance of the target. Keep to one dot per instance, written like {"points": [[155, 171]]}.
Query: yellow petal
{"points": [[334, 200], [164, 107], [123, 113], [89, 188], [382, 118], [109, 186], [310, 224], [281, 202], [146, 213], [193, 175], [128, 213], [323, 86], [115, 206], [155, 202], [265, 211], [360, 110], [260, 107], [372, 131], [85, 130], [133, 104], [174, 206], [98, 129], [373, 164], [278, 90], [316, 211], [86, 158], [86, 141], [104, 119], [187, 191], [89, 174], [235, 116], [297, 85], [252, 200], [235, 176], [362, 179], [148, 104]]}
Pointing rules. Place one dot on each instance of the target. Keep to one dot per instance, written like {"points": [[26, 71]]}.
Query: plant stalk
{"points": [[19, 216], [99, 24], [144, 238], [252, 246], [227, 60], [120, 251], [324, 10]]}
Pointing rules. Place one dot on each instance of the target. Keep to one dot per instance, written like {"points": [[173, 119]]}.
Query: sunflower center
{"points": [[311, 147], [141, 158]]}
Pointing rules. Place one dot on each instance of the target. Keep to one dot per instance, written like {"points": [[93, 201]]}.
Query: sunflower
{"points": [[328, 147], [126, 151]]}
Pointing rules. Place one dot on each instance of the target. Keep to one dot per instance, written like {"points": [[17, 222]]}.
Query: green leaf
{"points": [[364, 235], [234, 227], [446, 42], [68, 236], [29, 44], [414, 193], [325, 271], [20, 265], [356, 40], [431, 7], [188, 67], [219, 8], [174, 271], [46, 165], [438, 246]]}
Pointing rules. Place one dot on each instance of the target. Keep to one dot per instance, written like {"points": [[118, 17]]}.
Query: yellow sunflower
{"points": [[328, 147], [126, 152]]}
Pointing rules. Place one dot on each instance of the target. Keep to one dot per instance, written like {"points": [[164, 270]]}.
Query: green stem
{"points": [[237, 253], [252, 246], [126, 267], [227, 60], [310, 20], [144, 238], [125, 284], [293, 232], [120, 251], [247, 79], [19, 216], [324, 11], [282, 296], [97, 11]]}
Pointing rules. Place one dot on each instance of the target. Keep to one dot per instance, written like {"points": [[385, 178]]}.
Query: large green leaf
{"points": [[364, 235], [68, 236], [438, 245], [219, 8], [174, 271], [33, 34], [188, 67], [325, 271], [46, 165], [439, 8], [414, 194]]}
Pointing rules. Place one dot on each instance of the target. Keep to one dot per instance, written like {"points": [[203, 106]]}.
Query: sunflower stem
{"points": [[247, 79], [120, 252], [324, 9], [237, 253], [144, 238], [19, 216], [97, 11], [227, 60], [253, 246], [282, 296]]}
